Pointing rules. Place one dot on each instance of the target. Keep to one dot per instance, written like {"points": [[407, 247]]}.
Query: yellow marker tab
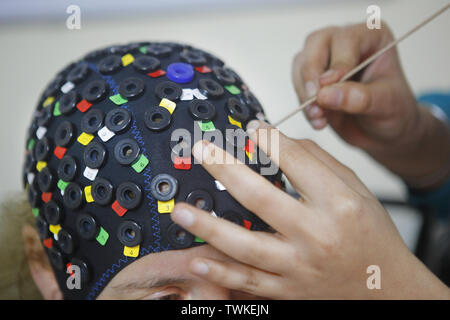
{"points": [[88, 194], [166, 206], [85, 138], [54, 228], [40, 165], [235, 122], [168, 104], [127, 59], [131, 251], [249, 155], [48, 101]]}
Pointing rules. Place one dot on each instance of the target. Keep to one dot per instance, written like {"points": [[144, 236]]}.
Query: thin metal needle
{"points": [[366, 62]]}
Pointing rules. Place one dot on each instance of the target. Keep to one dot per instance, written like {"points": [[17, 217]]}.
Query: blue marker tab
{"points": [[180, 72]]}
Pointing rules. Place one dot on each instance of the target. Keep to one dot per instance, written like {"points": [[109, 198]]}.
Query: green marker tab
{"points": [[56, 111], [62, 184], [31, 144], [118, 99], [35, 211], [233, 89], [140, 164], [197, 239], [143, 50], [102, 236], [206, 125]]}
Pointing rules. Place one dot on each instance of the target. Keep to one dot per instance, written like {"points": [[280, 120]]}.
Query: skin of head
{"points": [[157, 276]]}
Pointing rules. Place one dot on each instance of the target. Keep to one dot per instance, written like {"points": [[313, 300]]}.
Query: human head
{"points": [[108, 155]]}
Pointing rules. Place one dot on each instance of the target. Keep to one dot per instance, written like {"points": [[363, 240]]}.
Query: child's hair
{"points": [[15, 277]]}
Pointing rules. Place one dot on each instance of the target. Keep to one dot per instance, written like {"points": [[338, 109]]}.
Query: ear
{"points": [[39, 265]]}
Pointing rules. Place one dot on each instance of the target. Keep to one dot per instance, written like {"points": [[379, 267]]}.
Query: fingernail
{"points": [[252, 126], [200, 268], [314, 111], [183, 217], [318, 123], [311, 88], [331, 96], [201, 149], [327, 74]]}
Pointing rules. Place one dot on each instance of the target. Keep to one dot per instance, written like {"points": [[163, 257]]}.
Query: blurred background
{"points": [[258, 38]]}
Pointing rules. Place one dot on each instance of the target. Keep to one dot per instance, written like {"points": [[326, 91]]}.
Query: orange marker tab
{"points": [[60, 152], [166, 206], [83, 105], [157, 73], [247, 224], [46, 196], [181, 163], [203, 69], [85, 138], [118, 208], [131, 251], [48, 243]]}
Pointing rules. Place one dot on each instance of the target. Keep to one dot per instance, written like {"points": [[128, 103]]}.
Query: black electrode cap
{"points": [[45, 116], [202, 110], [42, 149], [67, 168], [110, 64], [54, 86], [84, 270], [129, 233], [169, 90], [102, 191], [237, 110], [129, 195], [45, 179], [94, 155], [200, 199], [223, 75], [92, 121], [211, 88], [146, 64], [126, 151], [131, 88], [159, 49], [42, 228], [178, 237], [33, 196], [117, 120], [73, 196], [53, 212], [252, 102], [56, 258], [95, 91], [164, 187], [157, 119], [87, 226], [78, 73], [193, 57], [68, 102], [64, 133], [65, 242]]}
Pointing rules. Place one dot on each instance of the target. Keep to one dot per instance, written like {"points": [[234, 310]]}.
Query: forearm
{"points": [[422, 158]]}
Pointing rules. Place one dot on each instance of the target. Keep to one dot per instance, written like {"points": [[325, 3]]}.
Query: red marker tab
{"points": [[46, 196], [83, 105], [60, 152], [182, 163], [247, 224], [250, 146], [277, 184], [157, 73], [203, 69], [118, 208], [69, 268], [48, 243]]}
